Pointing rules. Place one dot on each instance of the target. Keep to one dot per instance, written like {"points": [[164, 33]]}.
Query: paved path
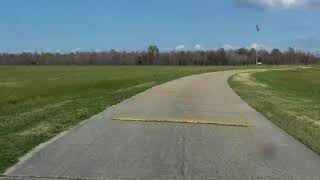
{"points": [[102, 148]]}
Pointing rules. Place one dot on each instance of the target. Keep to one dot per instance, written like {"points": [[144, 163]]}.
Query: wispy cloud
{"points": [[308, 41], [27, 51], [258, 46], [253, 45], [281, 4], [76, 50], [230, 47], [58, 51], [298, 28], [180, 47], [96, 50], [199, 47]]}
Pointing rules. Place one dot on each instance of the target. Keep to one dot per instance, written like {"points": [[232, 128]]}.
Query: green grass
{"points": [[38, 102], [289, 98]]}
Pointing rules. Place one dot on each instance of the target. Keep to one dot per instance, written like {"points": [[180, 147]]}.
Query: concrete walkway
{"points": [[101, 148]]}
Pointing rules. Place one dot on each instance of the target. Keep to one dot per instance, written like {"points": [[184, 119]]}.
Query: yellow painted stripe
{"points": [[220, 122]]}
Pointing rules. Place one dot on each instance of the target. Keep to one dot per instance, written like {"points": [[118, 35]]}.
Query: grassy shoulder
{"points": [[289, 98], [38, 102]]}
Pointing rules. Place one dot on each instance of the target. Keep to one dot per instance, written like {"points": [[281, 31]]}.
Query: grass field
{"points": [[289, 98], [38, 102]]}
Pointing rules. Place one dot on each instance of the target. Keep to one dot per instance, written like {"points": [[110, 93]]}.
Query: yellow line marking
{"points": [[220, 122]]}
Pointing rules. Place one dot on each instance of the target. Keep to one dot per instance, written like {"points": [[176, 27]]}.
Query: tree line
{"points": [[152, 56]]}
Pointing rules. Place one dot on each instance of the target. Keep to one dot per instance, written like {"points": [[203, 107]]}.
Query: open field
{"points": [[38, 102], [289, 98]]}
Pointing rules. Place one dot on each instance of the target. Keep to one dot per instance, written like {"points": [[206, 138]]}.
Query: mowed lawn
{"points": [[289, 98], [38, 102]]}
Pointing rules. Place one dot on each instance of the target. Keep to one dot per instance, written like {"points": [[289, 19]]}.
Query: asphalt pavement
{"points": [[102, 148]]}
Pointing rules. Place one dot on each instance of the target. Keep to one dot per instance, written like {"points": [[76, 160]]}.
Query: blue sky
{"points": [[66, 25]]}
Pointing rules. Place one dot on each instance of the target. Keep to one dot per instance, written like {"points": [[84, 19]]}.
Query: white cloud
{"points": [[58, 51], [27, 51], [95, 50], [307, 42], [76, 50], [282, 4], [257, 46], [230, 47], [253, 45], [180, 47], [167, 49], [199, 47]]}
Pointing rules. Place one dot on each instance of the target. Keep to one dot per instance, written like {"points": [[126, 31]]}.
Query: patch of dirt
{"points": [[246, 78], [10, 84], [38, 110], [54, 78], [302, 117], [58, 104], [305, 67], [41, 128]]}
